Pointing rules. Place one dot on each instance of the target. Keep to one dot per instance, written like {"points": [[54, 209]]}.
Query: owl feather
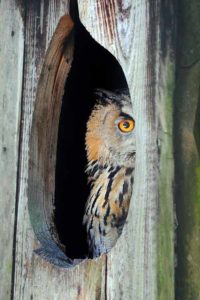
{"points": [[110, 146]]}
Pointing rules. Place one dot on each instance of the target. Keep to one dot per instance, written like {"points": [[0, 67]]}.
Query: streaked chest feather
{"points": [[107, 206], [111, 147]]}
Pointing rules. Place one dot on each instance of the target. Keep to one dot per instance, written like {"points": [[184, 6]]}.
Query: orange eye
{"points": [[126, 125]]}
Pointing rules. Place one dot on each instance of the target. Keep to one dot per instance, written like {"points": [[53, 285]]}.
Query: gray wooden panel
{"points": [[141, 266], [11, 74], [143, 256], [36, 278], [187, 151]]}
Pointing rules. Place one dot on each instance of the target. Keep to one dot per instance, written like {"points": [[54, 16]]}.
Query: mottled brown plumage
{"points": [[110, 145]]}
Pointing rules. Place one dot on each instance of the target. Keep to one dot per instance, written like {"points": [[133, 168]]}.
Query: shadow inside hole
{"points": [[93, 67]]}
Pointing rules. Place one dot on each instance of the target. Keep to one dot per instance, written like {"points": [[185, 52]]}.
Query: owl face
{"points": [[110, 137]]}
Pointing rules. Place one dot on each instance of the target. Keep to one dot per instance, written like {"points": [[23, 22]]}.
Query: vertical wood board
{"points": [[11, 74], [187, 151], [133, 32], [35, 277]]}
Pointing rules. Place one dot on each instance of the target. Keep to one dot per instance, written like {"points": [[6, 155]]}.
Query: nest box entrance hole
{"points": [[93, 67], [57, 185]]}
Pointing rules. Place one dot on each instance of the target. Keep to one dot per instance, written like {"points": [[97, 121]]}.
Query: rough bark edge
{"points": [[43, 146]]}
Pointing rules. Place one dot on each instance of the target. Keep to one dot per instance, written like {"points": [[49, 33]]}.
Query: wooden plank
{"points": [[187, 151], [35, 277], [141, 266], [11, 74], [42, 157], [135, 267]]}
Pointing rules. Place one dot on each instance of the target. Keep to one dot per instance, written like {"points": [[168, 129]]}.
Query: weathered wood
{"points": [[36, 278], [11, 62], [187, 151], [42, 157], [141, 266]]}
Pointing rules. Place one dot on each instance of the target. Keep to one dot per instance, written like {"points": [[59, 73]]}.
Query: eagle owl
{"points": [[111, 148]]}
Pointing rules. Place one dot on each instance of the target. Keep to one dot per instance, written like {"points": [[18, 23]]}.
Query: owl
{"points": [[111, 149]]}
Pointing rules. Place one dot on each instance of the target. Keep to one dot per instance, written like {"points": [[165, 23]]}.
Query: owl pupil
{"points": [[126, 125]]}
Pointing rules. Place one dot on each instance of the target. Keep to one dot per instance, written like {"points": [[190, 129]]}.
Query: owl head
{"points": [[110, 136]]}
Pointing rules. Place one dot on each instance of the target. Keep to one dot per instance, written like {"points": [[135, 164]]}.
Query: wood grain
{"points": [[42, 157], [133, 31], [187, 150], [139, 34], [11, 62], [36, 278]]}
